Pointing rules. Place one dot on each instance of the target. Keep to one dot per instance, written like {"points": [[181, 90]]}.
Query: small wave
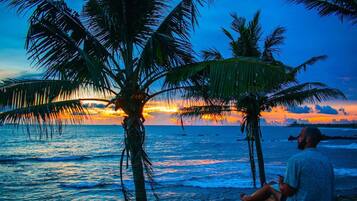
{"points": [[219, 183], [53, 159], [346, 146], [84, 185], [60, 159], [346, 172], [183, 163]]}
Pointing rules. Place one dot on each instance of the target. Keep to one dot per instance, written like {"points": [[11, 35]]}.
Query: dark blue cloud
{"points": [[325, 109], [299, 109]]}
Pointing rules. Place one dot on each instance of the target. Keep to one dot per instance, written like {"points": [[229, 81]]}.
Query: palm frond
{"points": [[238, 23], [23, 5], [230, 77], [122, 22], [168, 46], [205, 110], [228, 34], [342, 8], [45, 114], [309, 62], [311, 92], [254, 27], [58, 42], [211, 54], [272, 42], [16, 93], [249, 34]]}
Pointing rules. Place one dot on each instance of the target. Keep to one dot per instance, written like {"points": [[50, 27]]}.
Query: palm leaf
{"points": [[303, 66], [249, 35], [44, 114], [123, 22], [59, 43], [205, 110], [311, 92], [211, 54], [24, 93], [23, 5], [342, 8], [238, 23], [230, 77], [168, 46], [254, 27], [228, 34], [275, 39]]}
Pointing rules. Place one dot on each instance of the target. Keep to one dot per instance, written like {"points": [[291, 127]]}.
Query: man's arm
{"points": [[289, 185], [285, 189]]}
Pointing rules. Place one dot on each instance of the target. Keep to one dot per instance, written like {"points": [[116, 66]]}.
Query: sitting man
{"points": [[309, 175]]}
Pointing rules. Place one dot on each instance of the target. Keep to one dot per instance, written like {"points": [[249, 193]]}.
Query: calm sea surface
{"points": [[83, 162]]}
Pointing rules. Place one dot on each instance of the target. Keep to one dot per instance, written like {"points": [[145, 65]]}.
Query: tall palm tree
{"points": [[117, 48], [121, 50], [254, 99], [341, 8]]}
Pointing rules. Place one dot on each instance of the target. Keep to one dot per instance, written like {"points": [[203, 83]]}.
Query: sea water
{"points": [[83, 162]]}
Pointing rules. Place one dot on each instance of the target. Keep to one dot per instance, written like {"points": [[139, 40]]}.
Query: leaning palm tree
{"points": [[251, 105], [121, 50], [118, 49], [344, 9], [258, 97]]}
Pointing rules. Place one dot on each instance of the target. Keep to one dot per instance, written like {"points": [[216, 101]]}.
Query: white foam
{"points": [[345, 146], [346, 172]]}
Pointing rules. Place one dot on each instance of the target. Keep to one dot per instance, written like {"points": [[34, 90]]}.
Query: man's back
{"points": [[311, 173]]}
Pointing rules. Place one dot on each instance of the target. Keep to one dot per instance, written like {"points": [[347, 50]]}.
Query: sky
{"points": [[307, 35]]}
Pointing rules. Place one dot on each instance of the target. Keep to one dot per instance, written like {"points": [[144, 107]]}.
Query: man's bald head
{"points": [[309, 137]]}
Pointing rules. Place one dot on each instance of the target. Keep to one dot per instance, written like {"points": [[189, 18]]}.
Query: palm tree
{"points": [[342, 8], [258, 97], [121, 50], [118, 49]]}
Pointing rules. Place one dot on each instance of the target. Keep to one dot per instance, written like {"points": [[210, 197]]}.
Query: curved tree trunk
{"points": [[133, 126], [258, 146]]}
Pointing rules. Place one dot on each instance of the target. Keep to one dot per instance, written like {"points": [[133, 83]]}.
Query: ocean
{"points": [[83, 162]]}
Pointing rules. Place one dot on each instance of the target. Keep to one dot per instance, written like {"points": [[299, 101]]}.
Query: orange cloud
{"points": [[162, 113]]}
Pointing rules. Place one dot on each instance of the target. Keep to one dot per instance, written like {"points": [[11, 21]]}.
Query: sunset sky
{"points": [[307, 35]]}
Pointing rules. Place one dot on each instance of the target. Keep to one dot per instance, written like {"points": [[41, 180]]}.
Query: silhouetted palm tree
{"points": [[342, 8], [121, 50], [117, 48], [258, 97]]}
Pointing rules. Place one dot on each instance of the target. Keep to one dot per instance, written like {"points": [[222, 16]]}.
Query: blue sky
{"points": [[307, 35]]}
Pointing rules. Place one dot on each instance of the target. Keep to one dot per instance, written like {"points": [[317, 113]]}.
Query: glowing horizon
{"points": [[163, 113]]}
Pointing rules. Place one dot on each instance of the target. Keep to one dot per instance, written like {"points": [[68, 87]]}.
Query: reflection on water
{"points": [[83, 163]]}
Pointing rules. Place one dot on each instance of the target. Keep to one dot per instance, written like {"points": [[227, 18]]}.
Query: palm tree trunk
{"points": [[133, 126], [251, 159], [258, 146]]}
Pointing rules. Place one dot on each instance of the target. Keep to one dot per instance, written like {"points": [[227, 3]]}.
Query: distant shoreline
{"points": [[351, 125]]}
